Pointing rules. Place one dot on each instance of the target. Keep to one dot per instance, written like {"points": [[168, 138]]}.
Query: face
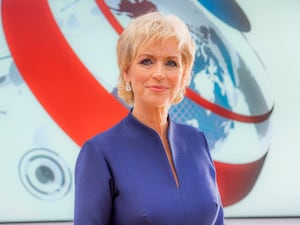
{"points": [[156, 75]]}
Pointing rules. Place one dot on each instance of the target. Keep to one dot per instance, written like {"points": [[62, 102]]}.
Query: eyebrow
{"points": [[150, 55]]}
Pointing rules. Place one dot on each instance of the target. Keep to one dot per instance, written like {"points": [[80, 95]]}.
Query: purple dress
{"points": [[123, 177]]}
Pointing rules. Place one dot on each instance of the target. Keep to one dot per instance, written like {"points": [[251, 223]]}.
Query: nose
{"points": [[159, 72]]}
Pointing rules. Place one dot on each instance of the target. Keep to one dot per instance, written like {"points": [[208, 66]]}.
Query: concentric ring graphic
{"points": [[44, 174]]}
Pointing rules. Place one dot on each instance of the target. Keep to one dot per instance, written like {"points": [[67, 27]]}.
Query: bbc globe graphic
{"points": [[224, 94], [71, 77]]}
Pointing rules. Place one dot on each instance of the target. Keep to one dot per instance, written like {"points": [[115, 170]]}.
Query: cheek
{"points": [[137, 82], [178, 81], [137, 79], [140, 78]]}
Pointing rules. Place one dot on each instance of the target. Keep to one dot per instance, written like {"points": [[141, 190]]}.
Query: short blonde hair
{"points": [[144, 31]]}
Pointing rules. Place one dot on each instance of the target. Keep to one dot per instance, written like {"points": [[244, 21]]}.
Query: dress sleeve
{"points": [[220, 215], [93, 192]]}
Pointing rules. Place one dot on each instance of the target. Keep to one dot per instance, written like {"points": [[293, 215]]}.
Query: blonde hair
{"points": [[144, 31]]}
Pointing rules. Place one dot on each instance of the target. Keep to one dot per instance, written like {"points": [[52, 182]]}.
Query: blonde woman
{"points": [[148, 169]]}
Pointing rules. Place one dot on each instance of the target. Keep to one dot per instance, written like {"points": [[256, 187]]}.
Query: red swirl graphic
{"points": [[55, 75], [74, 98]]}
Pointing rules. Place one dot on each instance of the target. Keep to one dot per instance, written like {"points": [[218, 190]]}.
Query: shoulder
{"points": [[96, 144], [188, 131], [111, 140], [107, 136], [193, 138]]}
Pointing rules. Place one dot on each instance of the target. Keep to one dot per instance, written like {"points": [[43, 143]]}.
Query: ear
{"points": [[125, 74], [183, 79]]}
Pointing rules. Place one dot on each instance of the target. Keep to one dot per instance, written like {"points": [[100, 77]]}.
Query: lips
{"points": [[157, 88]]}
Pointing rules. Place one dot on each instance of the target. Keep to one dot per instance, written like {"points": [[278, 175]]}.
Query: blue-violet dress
{"points": [[123, 177]]}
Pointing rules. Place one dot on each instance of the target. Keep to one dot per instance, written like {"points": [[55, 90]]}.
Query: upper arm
{"points": [[220, 215], [93, 195]]}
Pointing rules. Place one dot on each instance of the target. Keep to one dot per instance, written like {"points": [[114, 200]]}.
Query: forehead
{"points": [[167, 47]]}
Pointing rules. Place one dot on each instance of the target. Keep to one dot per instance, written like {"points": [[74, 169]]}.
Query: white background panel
{"points": [[275, 35]]}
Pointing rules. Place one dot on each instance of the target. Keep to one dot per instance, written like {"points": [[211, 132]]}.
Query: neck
{"points": [[156, 119]]}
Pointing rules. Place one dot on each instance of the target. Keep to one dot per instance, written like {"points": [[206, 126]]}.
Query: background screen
{"points": [[58, 78]]}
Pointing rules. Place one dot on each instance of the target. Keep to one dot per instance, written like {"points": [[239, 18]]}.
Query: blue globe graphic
{"points": [[223, 78], [210, 70], [220, 75]]}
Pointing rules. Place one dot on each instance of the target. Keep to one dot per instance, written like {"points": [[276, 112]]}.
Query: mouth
{"points": [[157, 88]]}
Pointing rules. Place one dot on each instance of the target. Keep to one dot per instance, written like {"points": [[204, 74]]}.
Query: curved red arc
{"points": [[53, 72], [189, 92], [235, 181], [225, 112], [109, 16]]}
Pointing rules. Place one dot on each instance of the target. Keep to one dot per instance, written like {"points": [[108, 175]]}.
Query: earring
{"points": [[181, 92], [127, 87]]}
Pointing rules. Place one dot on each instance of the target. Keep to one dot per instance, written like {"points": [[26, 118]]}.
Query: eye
{"points": [[146, 62], [171, 63]]}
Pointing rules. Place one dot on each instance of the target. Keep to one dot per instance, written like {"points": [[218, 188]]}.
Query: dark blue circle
{"points": [[229, 12]]}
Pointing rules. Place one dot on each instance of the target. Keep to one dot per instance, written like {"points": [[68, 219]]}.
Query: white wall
{"points": [[275, 35]]}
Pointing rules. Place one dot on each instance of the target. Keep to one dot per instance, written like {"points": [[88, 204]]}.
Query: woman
{"points": [[148, 169]]}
